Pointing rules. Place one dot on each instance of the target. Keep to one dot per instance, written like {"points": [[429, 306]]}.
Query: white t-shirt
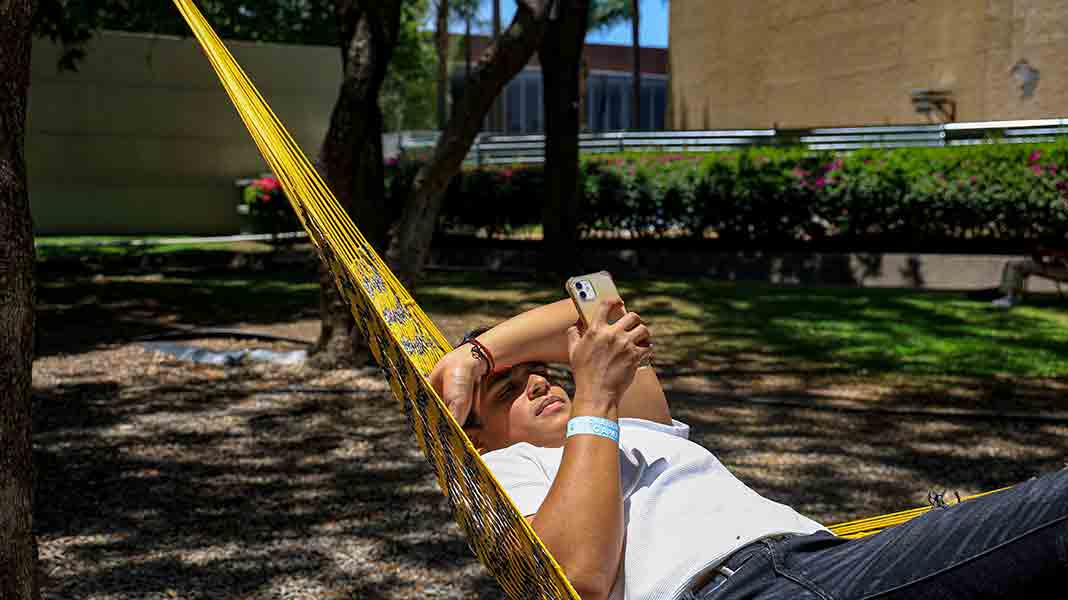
{"points": [[683, 510]]}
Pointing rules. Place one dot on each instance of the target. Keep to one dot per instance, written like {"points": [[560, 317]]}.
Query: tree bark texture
{"points": [[584, 86], [636, 77], [468, 57], [505, 57], [18, 550], [441, 35], [352, 159], [497, 116], [561, 54]]}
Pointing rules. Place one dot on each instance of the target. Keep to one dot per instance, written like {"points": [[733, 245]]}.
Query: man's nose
{"points": [[536, 386]]}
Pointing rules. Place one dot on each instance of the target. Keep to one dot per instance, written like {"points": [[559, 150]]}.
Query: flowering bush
{"points": [[1010, 194], [266, 205]]}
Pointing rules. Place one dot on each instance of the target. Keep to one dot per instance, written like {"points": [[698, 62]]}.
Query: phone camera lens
{"points": [[582, 295], [578, 285]]}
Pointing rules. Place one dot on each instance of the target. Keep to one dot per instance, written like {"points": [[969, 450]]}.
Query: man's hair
{"points": [[473, 333]]}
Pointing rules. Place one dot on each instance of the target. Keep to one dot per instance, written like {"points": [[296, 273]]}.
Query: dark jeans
{"points": [[1012, 544]]}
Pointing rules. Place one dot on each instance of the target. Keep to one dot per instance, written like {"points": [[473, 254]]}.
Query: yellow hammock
{"points": [[406, 345]]}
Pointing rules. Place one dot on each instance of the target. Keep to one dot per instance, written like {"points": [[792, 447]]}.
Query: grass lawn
{"points": [[699, 325], [117, 245], [703, 324]]}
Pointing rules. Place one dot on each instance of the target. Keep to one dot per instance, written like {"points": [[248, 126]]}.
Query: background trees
{"points": [[607, 13], [405, 100], [441, 43], [505, 57]]}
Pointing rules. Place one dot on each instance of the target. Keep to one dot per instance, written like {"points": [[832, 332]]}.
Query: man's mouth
{"points": [[549, 402]]}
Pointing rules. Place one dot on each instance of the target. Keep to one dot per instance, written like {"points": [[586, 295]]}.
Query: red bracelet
{"points": [[479, 350]]}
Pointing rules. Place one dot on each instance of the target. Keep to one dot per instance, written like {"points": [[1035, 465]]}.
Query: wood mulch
{"points": [[159, 478]]}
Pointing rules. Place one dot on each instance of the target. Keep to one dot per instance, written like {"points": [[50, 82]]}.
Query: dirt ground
{"points": [[159, 478]]}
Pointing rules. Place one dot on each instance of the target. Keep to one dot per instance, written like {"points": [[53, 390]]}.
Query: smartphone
{"points": [[587, 291]]}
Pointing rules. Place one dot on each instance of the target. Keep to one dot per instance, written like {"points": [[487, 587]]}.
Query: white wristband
{"points": [[594, 426]]}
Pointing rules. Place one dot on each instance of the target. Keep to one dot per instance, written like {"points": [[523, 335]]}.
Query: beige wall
{"points": [[142, 139], [807, 63]]}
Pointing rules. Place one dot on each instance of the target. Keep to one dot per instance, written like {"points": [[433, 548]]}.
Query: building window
{"points": [[533, 105], [608, 102], [514, 108], [659, 103]]}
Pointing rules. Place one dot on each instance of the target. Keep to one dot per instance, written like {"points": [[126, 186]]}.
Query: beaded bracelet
{"points": [[480, 351]]}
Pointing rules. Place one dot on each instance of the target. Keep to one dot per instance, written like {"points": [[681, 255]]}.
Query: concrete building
{"points": [[143, 139], [809, 63]]}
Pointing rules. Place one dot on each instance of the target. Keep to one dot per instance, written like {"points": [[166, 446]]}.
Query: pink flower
{"points": [[1036, 169], [799, 173], [820, 182], [267, 184], [973, 179], [1035, 156], [835, 165]]}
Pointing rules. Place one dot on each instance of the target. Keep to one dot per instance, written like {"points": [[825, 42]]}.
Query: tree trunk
{"points": [[442, 35], [497, 116], [504, 58], [561, 60], [636, 77], [584, 91], [467, 48], [352, 159], [18, 549]]}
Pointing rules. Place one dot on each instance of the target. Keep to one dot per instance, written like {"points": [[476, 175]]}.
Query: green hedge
{"points": [[1003, 192]]}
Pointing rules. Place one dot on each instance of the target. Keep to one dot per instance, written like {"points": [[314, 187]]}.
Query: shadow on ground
{"points": [[164, 479], [82, 309], [193, 484]]}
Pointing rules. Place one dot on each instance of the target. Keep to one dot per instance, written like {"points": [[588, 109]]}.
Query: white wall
{"points": [[142, 139]]}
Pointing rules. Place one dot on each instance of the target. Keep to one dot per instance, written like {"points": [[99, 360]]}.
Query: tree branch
{"points": [[502, 61]]}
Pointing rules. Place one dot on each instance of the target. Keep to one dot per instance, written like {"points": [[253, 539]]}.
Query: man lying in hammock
{"points": [[654, 515]]}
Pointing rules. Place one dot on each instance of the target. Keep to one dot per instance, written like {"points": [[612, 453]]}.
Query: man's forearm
{"points": [[538, 335], [581, 520]]}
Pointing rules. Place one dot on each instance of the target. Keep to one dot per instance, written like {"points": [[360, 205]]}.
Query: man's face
{"points": [[520, 404]]}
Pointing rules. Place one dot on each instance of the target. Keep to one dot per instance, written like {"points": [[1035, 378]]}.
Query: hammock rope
{"points": [[406, 344]]}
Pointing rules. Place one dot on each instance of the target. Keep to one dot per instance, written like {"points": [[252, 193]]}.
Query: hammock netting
{"points": [[406, 345]]}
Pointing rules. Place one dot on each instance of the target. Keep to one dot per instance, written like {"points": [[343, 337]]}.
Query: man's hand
{"points": [[456, 378], [605, 356]]}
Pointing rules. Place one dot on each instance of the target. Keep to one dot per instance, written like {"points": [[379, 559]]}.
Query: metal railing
{"points": [[495, 148]]}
